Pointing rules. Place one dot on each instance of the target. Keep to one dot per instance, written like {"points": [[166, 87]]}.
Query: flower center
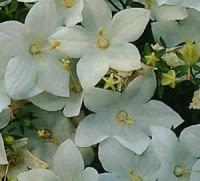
{"points": [[181, 171], [134, 176], [35, 49], [102, 40], [122, 117], [68, 3]]}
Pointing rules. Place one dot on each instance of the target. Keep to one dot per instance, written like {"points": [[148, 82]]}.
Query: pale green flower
{"points": [[67, 166], [126, 165], [178, 157], [34, 66], [102, 41], [125, 117]]}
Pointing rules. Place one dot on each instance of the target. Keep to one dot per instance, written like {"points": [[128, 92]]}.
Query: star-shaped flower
{"points": [[34, 66], [178, 157], [102, 41], [124, 165], [125, 117], [67, 165]]}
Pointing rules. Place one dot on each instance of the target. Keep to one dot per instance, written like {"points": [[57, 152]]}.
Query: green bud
{"points": [[9, 140], [190, 53], [26, 122]]}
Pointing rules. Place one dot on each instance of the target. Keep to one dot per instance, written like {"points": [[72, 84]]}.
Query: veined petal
{"points": [[94, 127], [75, 41], [166, 12], [12, 37], [91, 68], [42, 19], [20, 78], [95, 17], [48, 101], [70, 16], [195, 175], [129, 24], [68, 162], [73, 104], [123, 57], [39, 174], [52, 76], [96, 99], [141, 89], [4, 98], [148, 115], [190, 138]]}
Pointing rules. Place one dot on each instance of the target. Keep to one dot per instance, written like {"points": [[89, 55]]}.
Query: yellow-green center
{"points": [[35, 49], [68, 3], [102, 39], [180, 171], [134, 176], [122, 117]]}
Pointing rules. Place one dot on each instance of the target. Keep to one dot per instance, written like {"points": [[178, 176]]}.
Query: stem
{"points": [[114, 5]]}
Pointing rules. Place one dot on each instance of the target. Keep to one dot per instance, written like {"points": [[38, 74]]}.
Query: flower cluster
{"points": [[86, 88]]}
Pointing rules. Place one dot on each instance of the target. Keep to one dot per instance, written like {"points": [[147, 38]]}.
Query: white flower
{"points": [[67, 166], [174, 33], [34, 66], [125, 117], [179, 158], [5, 2], [126, 165], [49, 130], [102, 42], [185, 3]]}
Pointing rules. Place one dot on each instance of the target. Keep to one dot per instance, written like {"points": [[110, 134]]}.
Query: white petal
{"points": [[20, 78], [75, 41], [90, 174], [68, 162], [12, 34], [94, 127], [91, 68], [52, 77], [123, 57], [95, 17], [5, 116], [42, 19], [129, 24], [3, 157], [164, 142], [73, 105], [48, 101], [4, 98], [108, 177], [96, 99], [40, 174], [70, 16], [190, 138], [195, 175], [166, 12], [141, 89], [154, 113]]}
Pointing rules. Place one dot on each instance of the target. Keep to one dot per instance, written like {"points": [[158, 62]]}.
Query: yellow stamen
{"points": [[54, 45], [102, 40]]}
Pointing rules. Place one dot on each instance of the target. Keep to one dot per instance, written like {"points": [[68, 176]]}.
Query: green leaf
{"points": [[162, 67], [147, 49], [181, 70]]}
